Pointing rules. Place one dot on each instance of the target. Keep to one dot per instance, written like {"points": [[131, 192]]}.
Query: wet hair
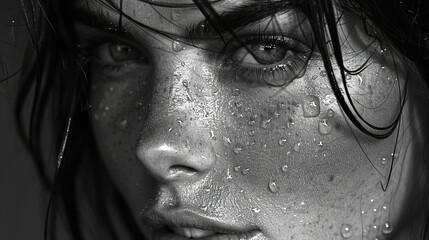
{"points": [[55, 83]]}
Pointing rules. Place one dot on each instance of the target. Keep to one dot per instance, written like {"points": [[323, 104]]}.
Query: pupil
{"points": [[122, 52]]}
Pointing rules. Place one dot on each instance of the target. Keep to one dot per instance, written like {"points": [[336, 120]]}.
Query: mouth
{"points": [[183, 233], [187, 224]]}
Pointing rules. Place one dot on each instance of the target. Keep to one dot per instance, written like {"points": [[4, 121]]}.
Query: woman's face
{"points": [[209, 139]]}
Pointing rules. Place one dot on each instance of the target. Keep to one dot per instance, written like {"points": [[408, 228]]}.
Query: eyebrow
{"points": [[233, 18], [236, 17]]}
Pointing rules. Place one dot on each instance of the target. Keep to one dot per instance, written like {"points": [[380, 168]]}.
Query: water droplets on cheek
{"points": [[346, 231], [311, 106], [272, 186], [324, 127], [177, 46]]}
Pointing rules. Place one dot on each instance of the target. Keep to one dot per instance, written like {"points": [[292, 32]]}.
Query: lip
{"points": [[166, 234], [168, 224]]}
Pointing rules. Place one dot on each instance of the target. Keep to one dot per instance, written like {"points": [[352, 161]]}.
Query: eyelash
{"points": [[252, 74]]}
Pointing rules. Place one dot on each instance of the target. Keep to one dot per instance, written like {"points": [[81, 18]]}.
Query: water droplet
{"points": [[374, 210], [330, 113], [385, 207], [239, 104], [237, 168], [346, 231], [252, 133], [348, 77], [272, 185], [183, 64], [297, 147], [177, 46], [323, 73], [383, 161], [122, 124], [324, 127], [311, 106], [282, 141], [285, 168], [238, 149], [387, 229], [266, 124], [256, 210], [203, 208], [245, 171], [236, 92]]}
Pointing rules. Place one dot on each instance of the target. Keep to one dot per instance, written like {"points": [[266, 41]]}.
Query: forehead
{"points": [[175, 16], [167, 15]]}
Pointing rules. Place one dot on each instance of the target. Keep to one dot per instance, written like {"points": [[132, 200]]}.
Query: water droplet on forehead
{"points": [[177, 46], [324, 127], [346, 231], [272, 185], [282, 141], [256, 210], [252, 133], [311, 106], [285, 168], [348, 77], [245, 171], [237, 168]]}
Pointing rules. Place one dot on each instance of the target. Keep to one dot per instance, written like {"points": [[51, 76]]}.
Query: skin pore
{"points": [[187, 133]]}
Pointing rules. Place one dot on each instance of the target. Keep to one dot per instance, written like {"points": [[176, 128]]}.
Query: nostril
{"points": [[180, 169]]}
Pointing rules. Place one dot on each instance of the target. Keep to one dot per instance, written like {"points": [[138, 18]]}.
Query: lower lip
{"points": [[165, 234]]}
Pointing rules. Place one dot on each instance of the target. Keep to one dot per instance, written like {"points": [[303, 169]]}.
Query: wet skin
{"points": [[183, 133]]}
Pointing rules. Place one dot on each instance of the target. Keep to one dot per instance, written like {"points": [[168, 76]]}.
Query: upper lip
{"points": [[190, 219]]}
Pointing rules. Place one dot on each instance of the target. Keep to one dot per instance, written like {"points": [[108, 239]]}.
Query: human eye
{"points": [[113, 58], [270, 59]]}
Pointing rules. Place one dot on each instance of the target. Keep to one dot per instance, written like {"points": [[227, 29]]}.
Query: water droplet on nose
{"points": [[323, 73], [311, 106], [238, 149], [346, 231], [236, 92], [383, 161], [324, 127], [285, 168], [272, 185], [177, 46], [282, 141], [387, 229], [122, 124], [297, 147], [237, 168], [385, 207], [245, 171]]}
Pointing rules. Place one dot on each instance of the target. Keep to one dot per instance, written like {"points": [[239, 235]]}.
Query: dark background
{"points": [[21, 207]]}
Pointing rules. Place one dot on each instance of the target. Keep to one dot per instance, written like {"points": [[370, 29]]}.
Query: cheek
{"points": [[117, 110]]}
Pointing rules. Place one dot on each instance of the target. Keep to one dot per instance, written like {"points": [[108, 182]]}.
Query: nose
{"points": [[175, 143], [174, 159]]}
